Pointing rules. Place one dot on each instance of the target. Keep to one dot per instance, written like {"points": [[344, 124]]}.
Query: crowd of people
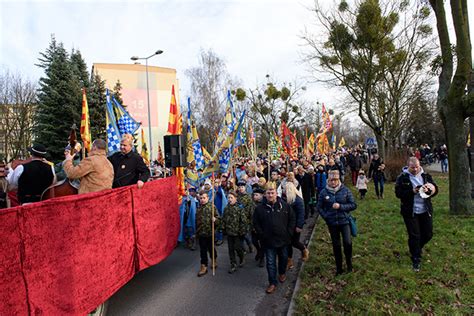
{"points": [[261, 205]]}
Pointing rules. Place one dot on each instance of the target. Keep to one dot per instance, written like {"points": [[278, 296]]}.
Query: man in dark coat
{"points": [[129, 167], [274, 221], [32, 178], [307, 188], [415, 188]]}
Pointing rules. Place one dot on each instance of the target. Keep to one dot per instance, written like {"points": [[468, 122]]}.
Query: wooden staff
{"points": [[213, 229], [269, 158]]}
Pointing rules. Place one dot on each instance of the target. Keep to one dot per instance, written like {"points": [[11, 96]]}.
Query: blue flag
{"points": [[113, 133]]}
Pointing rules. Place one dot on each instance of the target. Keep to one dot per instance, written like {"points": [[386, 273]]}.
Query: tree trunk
{"points": [[380, 145], [471, 163], [460, 201]]}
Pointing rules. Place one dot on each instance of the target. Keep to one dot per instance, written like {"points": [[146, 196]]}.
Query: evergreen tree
{"points": [[97, 111], [79, 69], [117, 93], [58, 105], [80, 81]]}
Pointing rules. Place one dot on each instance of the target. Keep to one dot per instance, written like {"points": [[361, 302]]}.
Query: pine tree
{"points": [[58, 105], [117, 93], [79, 69], [97, 101]]}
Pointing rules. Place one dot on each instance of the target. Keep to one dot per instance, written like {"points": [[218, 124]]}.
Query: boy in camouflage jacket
{"points": [[204, 221], [236, 225], [249, 206]]}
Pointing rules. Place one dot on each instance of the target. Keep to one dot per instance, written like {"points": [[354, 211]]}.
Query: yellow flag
{"points": [[342, 142], [145, 155], [85, 123]]}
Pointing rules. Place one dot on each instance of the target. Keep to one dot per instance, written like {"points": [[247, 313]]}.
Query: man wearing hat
{"points": [[32, 178]]}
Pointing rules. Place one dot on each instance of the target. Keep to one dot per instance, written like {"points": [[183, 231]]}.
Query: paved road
{"points": [[173, 288]]}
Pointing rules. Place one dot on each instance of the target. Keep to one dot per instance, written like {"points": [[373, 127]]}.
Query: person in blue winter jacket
{"points": [[334, 204], [187, 212]]}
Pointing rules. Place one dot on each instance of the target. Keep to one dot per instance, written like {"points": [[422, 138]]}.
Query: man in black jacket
{"points": [[415, 188], [129, 167], [274, 221]]}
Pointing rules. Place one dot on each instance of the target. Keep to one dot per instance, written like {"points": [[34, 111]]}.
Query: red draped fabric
{"points": [[67, 255]]}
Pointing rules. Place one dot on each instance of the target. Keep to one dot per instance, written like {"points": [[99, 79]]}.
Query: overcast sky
{"points": [[254, 37]]}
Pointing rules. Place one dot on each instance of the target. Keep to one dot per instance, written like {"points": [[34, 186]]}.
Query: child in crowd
{"points": [[362, 184], [236, 224], [204, 219]]}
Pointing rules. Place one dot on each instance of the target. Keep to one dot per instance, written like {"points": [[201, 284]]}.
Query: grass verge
{"points": [[383, 281]]}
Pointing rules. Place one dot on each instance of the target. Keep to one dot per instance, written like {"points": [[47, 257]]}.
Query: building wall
{"points": [[134, 95]]}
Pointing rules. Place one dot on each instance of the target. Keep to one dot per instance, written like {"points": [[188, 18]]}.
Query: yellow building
{"points": [[134, 94]]}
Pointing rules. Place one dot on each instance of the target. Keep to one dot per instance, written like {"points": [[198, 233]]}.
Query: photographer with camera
{"points": [[415, 188]]}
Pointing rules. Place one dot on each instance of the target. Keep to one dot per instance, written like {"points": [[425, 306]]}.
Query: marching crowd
{"points": [[261, 206]]}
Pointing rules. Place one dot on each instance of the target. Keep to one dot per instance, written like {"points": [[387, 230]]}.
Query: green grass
{"points": [[383, 281]]}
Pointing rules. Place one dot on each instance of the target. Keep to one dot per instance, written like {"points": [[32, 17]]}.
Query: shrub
{"points": [[394, 164]]}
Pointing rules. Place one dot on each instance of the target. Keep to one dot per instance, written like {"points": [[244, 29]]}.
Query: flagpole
{"points": [[213, 228], [268, 160]]}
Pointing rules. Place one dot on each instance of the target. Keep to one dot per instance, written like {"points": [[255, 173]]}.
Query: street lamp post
{"points": [[158, 52]]}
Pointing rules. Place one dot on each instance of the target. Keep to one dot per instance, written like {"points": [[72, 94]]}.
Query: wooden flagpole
{"points": [[269, 159], [213, 228]]}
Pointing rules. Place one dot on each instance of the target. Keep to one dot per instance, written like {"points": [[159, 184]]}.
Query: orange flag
{"points": [[85, 123], [173, 118], [175, 122]]}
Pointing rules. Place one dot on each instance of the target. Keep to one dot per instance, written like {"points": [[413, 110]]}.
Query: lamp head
{"points": [[134, 58], [158, 52]]}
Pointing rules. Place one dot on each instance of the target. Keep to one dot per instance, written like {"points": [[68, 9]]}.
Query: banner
{"points": [[66, 256]]}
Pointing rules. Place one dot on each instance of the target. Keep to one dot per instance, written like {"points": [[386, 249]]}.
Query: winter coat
{"points": [[374, 171], [347, 204], [362, 183], [298, 208], [235, 220], [274, 224], [307, 186], [204, 220], [248, 205], [321, 180], [96, 172], [404, 191]]}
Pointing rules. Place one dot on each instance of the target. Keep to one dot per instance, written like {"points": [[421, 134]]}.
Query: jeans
{"points": [[205, 246], [378, 183], [295, 242], [271, 254], [444, 165], [336, 231], [420, 231]]}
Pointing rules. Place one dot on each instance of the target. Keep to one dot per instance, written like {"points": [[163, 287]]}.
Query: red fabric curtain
{"points": [[67, 255]]}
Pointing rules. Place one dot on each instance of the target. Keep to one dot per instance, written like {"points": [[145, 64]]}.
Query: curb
{"points": [[291, 308]]}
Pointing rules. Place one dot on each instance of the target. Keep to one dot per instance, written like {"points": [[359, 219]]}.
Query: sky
{"points": [[254, 37]]}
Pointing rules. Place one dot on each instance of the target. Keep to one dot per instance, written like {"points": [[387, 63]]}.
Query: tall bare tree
{"points": [[17, 103], [454, 102], [209, 84], [375, 51]]}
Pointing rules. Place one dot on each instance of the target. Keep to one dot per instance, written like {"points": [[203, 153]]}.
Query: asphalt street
{"points": [[173, 288]]}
